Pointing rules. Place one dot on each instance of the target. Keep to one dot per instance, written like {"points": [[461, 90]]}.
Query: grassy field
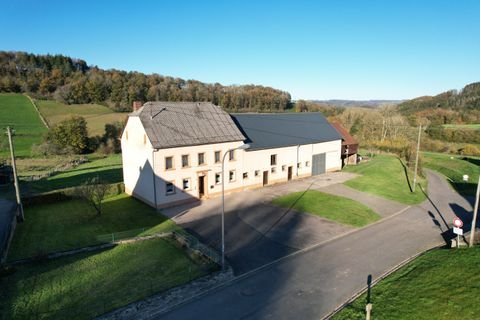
{"points": [[454, 167], [87, 285], [433, 286], [17, 111], [328, 206], [109, 169], [462, 126], [72, 224], [95, 115], [385, 176]]}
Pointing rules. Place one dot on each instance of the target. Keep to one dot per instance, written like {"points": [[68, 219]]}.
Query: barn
{"points": [[172, 152]]}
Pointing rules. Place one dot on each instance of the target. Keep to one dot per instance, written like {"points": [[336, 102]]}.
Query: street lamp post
{"points": [[242, 147]]}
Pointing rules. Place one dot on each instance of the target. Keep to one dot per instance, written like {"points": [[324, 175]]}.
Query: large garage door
{"points": [[318, 164]]}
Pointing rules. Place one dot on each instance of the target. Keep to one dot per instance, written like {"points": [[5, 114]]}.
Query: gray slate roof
{"points": [[274, 130], [175, 124]]}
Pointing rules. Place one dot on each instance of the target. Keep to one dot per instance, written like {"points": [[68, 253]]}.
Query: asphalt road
{"points": [[310, 284]]}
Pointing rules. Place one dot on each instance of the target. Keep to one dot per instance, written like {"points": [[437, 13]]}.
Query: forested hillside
{"points": [[450, 107], [73, 81]]}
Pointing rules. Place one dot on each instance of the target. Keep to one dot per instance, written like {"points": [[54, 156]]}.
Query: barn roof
{"points": [[175, 124], [275, 130], [346, 136]]}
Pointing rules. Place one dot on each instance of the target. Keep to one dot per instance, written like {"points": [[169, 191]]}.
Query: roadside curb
{"points": [[378, 279]]}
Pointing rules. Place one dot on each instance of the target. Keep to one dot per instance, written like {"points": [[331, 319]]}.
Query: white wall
{"points": [[137, 161], [245, 162], [177, 174]]}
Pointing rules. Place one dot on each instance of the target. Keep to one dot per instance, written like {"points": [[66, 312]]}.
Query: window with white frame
{"points": [[231, 155], [273, 160], [245, 175], [218, 178], [231, 175], [201, 158], [168, 163], [307, 164], [185, 161], [217, 157], [186, 184], [273, 170], [169, 188], [299, 165], [257, 173], [284, 167]]}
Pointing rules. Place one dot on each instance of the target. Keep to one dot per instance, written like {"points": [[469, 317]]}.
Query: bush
{"points": [[71, 133], [469, 150]]}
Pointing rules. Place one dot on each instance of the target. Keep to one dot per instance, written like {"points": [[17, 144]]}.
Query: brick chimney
{"points": [[137, 105]]}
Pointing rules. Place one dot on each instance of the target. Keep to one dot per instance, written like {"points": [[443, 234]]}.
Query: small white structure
{"points": [[172, 151]]}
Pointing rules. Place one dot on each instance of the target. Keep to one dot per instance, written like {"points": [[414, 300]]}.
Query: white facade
{"points": [[147, 178]]}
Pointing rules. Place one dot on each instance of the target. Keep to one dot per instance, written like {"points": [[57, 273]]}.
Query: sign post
{"points": [[457, 229]]}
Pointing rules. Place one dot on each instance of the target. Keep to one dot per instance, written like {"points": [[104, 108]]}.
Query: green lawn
{"points": [[73, 224], [442, 284], [454, 167], [87, 285], [95, 115], [385, 176], [109, 169], [328, 206], [17, 111], [462, 126]]}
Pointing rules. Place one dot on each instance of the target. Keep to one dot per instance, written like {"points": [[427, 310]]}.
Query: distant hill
{"points": [[73, 81], [450, 107], [356, 103]]}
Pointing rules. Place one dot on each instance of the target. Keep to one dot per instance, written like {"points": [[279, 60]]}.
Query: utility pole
{"points": [[20, 215], [416, 158], [474, 220]]}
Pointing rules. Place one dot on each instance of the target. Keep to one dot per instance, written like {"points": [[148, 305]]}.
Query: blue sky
{"points": [[312, 49]]}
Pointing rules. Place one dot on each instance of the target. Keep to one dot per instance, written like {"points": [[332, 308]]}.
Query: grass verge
{"points": [[454, 167], [328, 206], [73, 224], [432, 286], [87, 285], [385, 176]]}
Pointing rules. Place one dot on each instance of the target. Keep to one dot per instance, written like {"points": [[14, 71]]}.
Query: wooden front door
{"points": [[265, 178], [290, 172], [201, 186]]}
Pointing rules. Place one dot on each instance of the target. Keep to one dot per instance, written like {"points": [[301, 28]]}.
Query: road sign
{"points": [[458, 231], [457, 222]]}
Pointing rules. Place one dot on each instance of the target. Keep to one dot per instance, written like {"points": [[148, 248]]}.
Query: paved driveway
{"points": [[312, 283], [257, 232]]}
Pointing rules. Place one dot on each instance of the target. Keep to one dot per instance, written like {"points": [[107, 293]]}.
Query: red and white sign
{"points": [[457, 222]]}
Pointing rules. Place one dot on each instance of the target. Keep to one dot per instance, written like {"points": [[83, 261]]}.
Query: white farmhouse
{"points": [[172, 151]]}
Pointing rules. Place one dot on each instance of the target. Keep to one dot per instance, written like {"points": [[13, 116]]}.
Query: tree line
{"points": [[73, 81], [450, 107]]}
